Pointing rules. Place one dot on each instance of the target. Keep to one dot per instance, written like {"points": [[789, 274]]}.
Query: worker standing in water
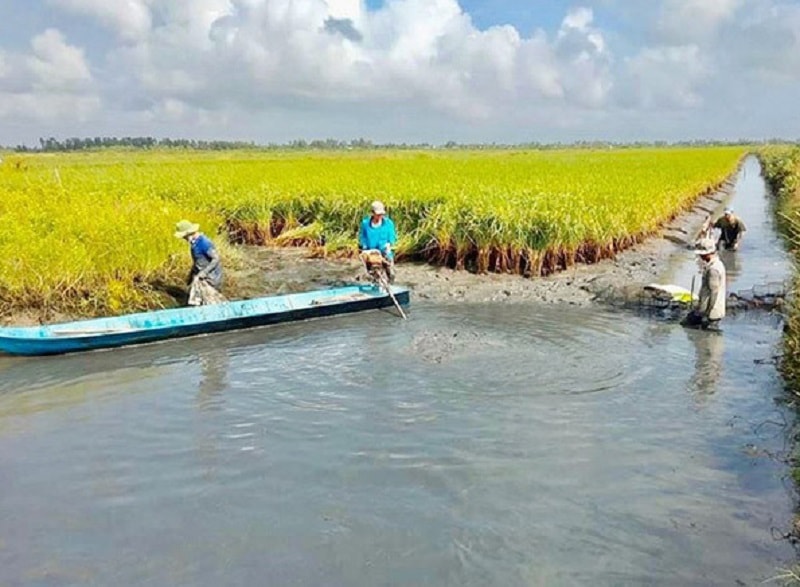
{"points": [[731, 228], [710, 307]]}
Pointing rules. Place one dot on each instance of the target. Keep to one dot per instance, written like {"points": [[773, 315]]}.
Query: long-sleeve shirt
{"points": [[712, 290], [377, 237], [205, 259]]}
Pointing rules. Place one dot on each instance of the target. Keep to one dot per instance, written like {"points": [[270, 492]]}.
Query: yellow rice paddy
{"points": [[91, 233]]}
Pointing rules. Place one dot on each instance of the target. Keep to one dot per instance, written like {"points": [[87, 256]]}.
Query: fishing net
{"points": [[767, 297], [770, 296], [202, 293]]}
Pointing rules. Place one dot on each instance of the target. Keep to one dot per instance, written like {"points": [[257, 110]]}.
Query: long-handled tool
{"points": [[689, 319], [388, 289], [376, 272]]}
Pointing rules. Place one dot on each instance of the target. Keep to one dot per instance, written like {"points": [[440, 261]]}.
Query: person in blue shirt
{"points": [[377, 234], [206, 262]]}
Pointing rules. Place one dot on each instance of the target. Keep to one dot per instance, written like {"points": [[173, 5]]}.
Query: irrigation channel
{"points": [[474, 444]]}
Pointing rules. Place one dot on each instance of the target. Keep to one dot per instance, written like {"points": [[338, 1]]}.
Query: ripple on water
{"points": [[548, 350], [511, 444]]}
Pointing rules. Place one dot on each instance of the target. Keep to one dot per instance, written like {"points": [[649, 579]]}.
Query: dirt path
{"points": [[276, 271]]}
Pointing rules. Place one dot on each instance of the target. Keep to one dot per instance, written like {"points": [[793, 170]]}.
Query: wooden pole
{"points": [[377, 275], [388, 289]]}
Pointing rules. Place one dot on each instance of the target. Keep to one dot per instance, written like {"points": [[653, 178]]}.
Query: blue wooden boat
{"points": [[144, 327]]}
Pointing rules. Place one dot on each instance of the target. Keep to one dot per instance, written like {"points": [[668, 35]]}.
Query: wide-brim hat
{"points": [[706, 250], [184, 228], [378, 207], [705, 246]]}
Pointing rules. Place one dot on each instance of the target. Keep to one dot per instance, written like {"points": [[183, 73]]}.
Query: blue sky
{"points": [[525, 15], [400, 70]]}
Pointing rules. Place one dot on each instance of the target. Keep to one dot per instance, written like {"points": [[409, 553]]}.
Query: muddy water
{"points": [[761, 259], [475, 444]]}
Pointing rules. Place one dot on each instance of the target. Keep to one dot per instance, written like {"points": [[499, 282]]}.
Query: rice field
{"points": [[91, 233]]}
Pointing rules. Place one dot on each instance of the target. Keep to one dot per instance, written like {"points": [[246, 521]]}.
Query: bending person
{"points": [[732, 228], [205, 277], [377, 233]]}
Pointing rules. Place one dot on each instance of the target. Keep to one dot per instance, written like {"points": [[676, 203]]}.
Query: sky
{"points": [[482, 71]]}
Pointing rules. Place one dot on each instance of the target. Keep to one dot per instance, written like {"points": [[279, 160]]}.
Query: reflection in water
{"points": [[708, 349], [732, 262], [213, 378], [210, 403], [658, 333]]}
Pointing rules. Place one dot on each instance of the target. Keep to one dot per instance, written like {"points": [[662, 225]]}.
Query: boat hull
{"points": [[147, 327]]}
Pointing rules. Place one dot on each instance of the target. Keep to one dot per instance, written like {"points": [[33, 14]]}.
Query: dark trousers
{"points": [[695, 319]]}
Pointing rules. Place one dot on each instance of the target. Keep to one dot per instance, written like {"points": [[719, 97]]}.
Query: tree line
{"points": [[52, 144]]}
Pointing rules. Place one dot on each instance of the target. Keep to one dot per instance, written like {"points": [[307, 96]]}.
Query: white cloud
{"points": [[351, 9], [48, 108], [252, 53], [130, 19], [764, 42], [57, 65], [695, 21], [665, 77], [51, 81], [317, 67], [707, 52], [585, 66]]}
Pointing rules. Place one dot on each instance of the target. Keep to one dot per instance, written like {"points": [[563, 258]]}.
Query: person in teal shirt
{"points": [[377, 234]]}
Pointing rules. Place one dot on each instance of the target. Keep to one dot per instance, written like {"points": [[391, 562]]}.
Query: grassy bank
{"points": [[91, 233], [781, 167], [782, 171]]}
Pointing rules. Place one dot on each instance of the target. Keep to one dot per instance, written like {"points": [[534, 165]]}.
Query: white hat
{"points": [[378, 207], [706, 249]]}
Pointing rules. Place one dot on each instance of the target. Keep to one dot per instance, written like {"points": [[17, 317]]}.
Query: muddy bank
{"points": [[278, 270]]}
